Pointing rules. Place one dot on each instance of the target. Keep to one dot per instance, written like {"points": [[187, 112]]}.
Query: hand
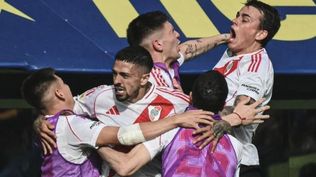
{"points": [[47, 136], [249, 113], [212, 134], [176, 85], [192, 118]]}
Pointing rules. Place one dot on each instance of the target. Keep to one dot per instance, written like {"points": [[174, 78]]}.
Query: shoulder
{"points": [[172, 94]]}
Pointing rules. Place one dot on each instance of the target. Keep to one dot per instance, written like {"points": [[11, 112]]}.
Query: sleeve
{"points": [[74, 135], [84, 103], [252, 82], [156, 145]]}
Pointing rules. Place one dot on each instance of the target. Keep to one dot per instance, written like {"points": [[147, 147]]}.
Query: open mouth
{"points": [[232, 33], [119, 90]]}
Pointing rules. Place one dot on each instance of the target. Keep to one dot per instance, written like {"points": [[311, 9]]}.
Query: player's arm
{"points": [[245, 112], [192, 48], [137, 133], [242, 114], [125, 164]]}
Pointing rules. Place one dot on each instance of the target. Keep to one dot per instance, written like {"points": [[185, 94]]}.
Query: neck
{"points": [[55, 108], [247, 50], [141, 93]]}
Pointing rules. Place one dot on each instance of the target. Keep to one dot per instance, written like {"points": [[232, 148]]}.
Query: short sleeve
{"points": [[84, 103], [74, 135], [252, 85]]}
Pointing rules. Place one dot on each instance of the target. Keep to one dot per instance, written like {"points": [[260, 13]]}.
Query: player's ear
{"points": [[157, 45], [261, 35], [144, 79], [59, 94]]}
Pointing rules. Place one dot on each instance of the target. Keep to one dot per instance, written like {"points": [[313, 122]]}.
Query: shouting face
{"points": [[246, 32]]}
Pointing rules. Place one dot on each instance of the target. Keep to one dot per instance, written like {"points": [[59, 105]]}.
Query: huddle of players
{"points": [[140, 94]]}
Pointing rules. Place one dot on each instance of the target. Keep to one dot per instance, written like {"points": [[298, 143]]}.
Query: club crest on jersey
{"points": [[154, 112]]}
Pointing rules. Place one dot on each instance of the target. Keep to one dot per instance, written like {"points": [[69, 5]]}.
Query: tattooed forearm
{"points": [[227, 110]]}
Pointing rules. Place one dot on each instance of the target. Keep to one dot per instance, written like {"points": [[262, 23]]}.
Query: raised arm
{"points": [[192, 48]]}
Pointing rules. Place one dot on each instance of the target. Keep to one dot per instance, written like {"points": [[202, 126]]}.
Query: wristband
{"points": [[241, 118]]}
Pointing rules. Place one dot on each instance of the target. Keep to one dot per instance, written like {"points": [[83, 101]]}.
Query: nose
{"points": [[116, 79], [177, 34]]}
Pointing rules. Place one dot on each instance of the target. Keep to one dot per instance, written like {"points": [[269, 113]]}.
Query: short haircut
{"points": [[136, 55], [270, 20], [209, 91], [144, 25], [34, 87]]}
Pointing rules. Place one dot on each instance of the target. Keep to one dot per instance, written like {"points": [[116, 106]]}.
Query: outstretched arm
{"points": [[137, 133], [125, 164], [196, 47]]}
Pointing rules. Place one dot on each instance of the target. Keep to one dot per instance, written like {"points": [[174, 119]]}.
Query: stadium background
{"points": [[80, 38]]}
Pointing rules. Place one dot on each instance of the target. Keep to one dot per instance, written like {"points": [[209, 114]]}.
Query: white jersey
{"points": [[161, 76], [158, 103], [251, 75], [74, 134]]}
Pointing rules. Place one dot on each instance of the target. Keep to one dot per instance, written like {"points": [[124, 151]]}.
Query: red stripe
{"points": [[176, 94], [116, 112], [259, 58], [252, 60]]}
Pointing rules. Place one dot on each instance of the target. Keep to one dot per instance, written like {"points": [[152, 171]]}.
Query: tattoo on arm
{"points": [[227, 110]]}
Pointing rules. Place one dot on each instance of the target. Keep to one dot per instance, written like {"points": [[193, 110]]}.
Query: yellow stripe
{"points": [[190, 17], [118, 13]]}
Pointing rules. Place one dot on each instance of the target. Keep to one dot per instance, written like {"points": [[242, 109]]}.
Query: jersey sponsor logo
{"points": [[113, 111], [251, 88], [154, 112]]}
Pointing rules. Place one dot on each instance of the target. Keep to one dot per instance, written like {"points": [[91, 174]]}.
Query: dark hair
{"points": [[35, 86], [144, 25], [209, 91], [136, 55], [270, 20]]}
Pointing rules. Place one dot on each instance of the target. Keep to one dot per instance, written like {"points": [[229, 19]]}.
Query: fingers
{"points": [[260, 116], [205, 135], [48, 139], [263, 108], [46, 147], [215, 142], [200, 130], [257, 103], [206, 142]]}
